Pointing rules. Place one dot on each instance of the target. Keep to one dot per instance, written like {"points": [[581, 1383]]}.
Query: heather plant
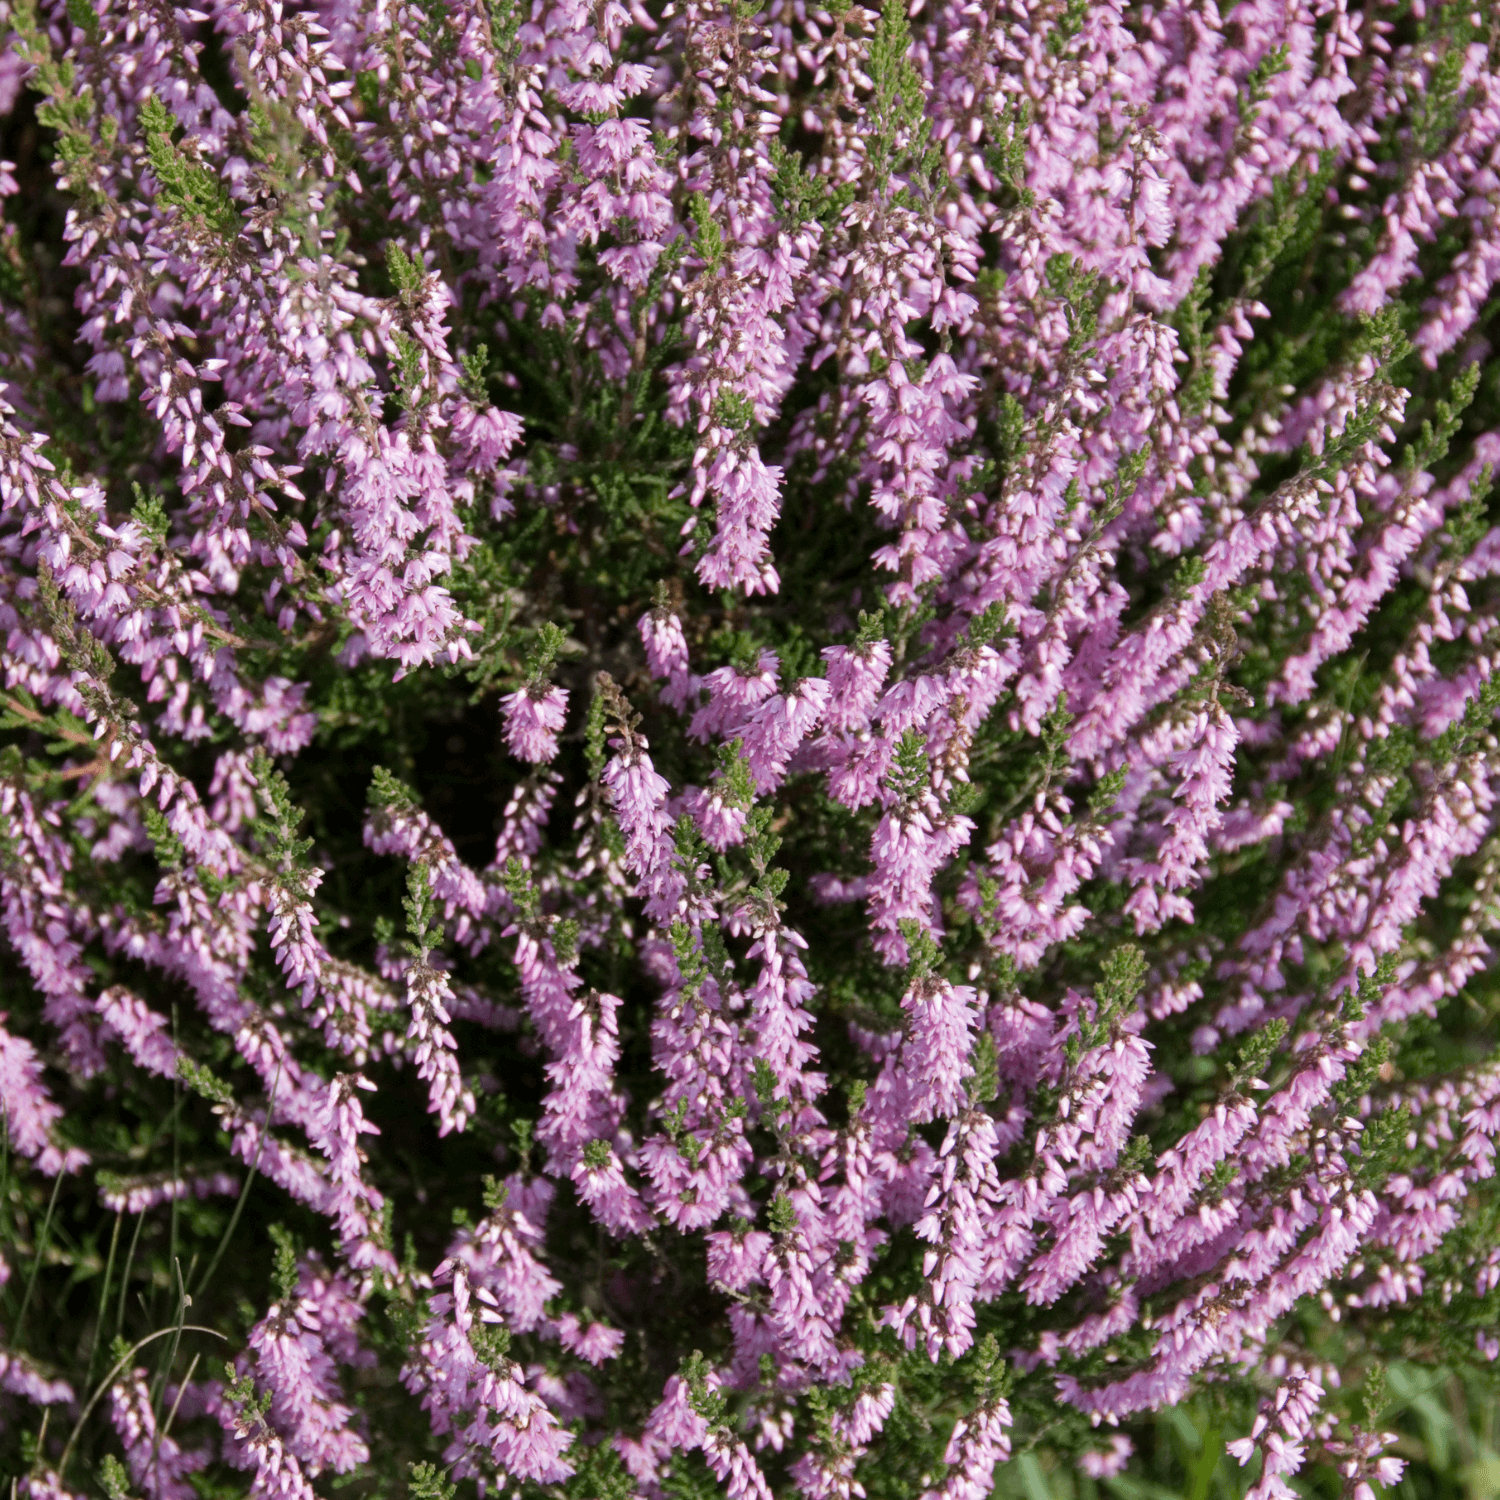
{"points": [[749, 749]]}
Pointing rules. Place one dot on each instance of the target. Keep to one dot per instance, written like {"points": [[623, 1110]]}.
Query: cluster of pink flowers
{"points": [[1048, 769]]}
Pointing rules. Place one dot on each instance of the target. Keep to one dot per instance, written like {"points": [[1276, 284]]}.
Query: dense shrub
{"points": [[745, 751]]}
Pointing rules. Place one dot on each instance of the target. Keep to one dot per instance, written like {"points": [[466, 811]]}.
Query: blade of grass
{"points": [[104, 1385], [4, 1177], [135, 1239], [166, 1125], [176, 1147], [1209, 1455], [166, 1427], [183, 1303], [38, 1250], [109, 1271], [239, 1206]]}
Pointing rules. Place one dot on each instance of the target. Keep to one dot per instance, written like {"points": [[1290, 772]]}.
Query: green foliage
{"points": [[1470, 521], [184, 181], [239, 1391], [709, 241], [709, 1402], [801, 195], [405, 273], [983, 1084], [492, 1345], [284, 1275], [280, 825], [202, 1081], [112, 1473], [909, 775], [1255, 1056], [428, 1482], [150, 514], [1431, 447], [1078, 290], [600, 1475], [542, 658], [1477, 722], [1124, 971], [1257, 86], [899, 128], [781, 1216], [422, 927]]}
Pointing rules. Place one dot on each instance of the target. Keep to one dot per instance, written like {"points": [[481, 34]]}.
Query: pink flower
{"points": [[532, 722], [1105, 1463], [29, 1113]]}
